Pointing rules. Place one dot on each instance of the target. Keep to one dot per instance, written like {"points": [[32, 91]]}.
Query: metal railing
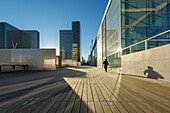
{"points": [[143, 45]]}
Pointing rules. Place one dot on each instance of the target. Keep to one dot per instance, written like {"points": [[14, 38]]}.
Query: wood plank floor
{"points": [[91, 90]]}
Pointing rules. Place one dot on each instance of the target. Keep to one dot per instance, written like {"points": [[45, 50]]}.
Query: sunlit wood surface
{"points": [[91, 90]]}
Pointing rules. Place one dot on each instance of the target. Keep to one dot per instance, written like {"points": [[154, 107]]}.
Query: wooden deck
{"points": [[91, 90]]}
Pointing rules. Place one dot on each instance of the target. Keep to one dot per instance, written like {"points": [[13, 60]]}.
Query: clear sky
{"points": [[50, 16]]}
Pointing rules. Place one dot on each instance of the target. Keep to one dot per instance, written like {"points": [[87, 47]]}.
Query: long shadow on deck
{"points": [[54, 95]]}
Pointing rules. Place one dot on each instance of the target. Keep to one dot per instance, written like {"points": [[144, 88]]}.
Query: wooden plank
{"points": [[150, 88], [103, 91], [134, 91], [95, 96], [79, 94], [135, 107], [91, 108], [41, 96], [113, 107], [114, 93], [84, 107], [30, 107], [100, 96], [90, 96], [150, 107], [84, 93], [73, 97], [44, 104], [140, 93], [98, 107], [70, 92], [120, 107], [162, 110], [166, 103], [109, 92], [40, 107], [162, 106], [69, 107], [54, 107], [105, 107], [55, 102], [144, 108], [62, 107], [48, 106], [123, 94], [76, 107], [64, 94], [128, 107]]}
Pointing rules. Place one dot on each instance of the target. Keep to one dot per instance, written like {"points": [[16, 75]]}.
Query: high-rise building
{"points": [[70, 42], [66, 41], [12, 37], [76, 37]]}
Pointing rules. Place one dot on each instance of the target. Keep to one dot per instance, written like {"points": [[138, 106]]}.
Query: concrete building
{"points": [[12, 37], [131, 28]]}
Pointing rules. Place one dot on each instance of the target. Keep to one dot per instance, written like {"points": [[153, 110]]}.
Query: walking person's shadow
{"points": [[152, 74]]}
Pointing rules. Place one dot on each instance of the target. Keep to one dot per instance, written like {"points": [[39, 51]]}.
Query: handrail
{"points": [[145, 40]]}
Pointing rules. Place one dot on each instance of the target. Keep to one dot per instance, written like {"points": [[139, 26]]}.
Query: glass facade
{"points": [[66, 41], [12, 37], [2, 35], [111, 30], [76, 36], [127, 22], [142, 19], [4, 28], [34, 38], [18, 39]]}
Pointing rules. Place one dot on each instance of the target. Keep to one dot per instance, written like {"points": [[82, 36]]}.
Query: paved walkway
{"points": [[83, 90]]}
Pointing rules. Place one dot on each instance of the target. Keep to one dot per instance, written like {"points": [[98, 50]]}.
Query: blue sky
{"points": [[49, 16]]}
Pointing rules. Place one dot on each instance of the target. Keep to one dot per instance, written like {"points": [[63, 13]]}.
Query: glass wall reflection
{"points": [[142, 19]]}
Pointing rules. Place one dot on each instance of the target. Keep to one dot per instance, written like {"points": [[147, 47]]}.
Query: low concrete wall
{"points": [[36, 59], [158, 58], [66, 63]]}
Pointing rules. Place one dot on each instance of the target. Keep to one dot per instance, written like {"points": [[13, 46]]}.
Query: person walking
{"points": [[105, 64]]}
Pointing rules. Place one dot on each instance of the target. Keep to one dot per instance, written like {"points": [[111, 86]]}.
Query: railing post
{"points": [[146, 45]]}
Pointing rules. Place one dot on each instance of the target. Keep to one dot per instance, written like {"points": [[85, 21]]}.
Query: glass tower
{"points": [[76, 36], [66, 41]]}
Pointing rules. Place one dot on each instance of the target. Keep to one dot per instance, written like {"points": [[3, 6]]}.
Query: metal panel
{"points": [[36, 59]]}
